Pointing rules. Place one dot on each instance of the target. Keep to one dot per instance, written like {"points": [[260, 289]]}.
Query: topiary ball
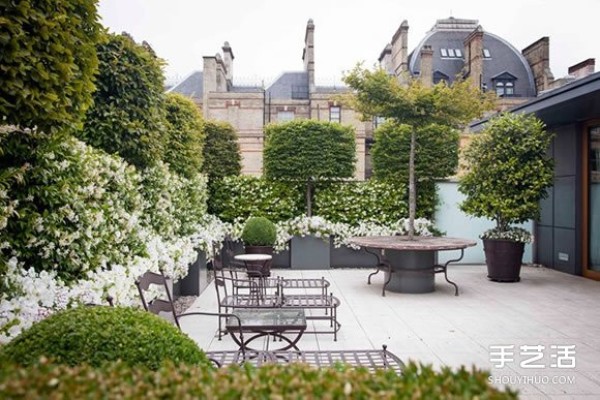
{"points": [[259, 231], [96, 335]]}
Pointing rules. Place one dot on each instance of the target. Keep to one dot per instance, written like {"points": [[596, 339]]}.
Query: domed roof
{"points": [[500, 58]]}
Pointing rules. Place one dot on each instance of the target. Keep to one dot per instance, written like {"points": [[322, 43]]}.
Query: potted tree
{"points": [[508, 171], [259, 235]]}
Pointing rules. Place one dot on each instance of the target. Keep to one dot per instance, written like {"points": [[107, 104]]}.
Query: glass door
{"points": [[594, 200]]}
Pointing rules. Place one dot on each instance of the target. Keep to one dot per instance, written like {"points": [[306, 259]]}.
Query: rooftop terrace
{"points": [[546, 308]]}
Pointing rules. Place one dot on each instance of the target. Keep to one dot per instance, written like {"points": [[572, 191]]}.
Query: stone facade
{"points": [[454, 47]]}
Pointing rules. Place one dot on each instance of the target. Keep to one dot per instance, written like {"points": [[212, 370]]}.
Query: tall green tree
{"points": [[417, 106], [47, 62], [185, 142], [309, 150], [222, 155], [128, 115], [508, 170]]}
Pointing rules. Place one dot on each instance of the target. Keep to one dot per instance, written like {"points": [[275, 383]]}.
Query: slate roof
{"points": [[504, 58], [290, 85], [192, 86]]}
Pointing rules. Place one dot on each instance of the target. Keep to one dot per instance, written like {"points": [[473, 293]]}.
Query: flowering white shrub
{"points": [[174, 204], [513, 233], [77, 225]]}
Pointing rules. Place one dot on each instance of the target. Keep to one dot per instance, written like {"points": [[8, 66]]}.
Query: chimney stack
{"points": [[427, 66], [537, 55], [228, 61], [385, 59], [308, 55], [400, 51], [474, 56], [583, 69]]}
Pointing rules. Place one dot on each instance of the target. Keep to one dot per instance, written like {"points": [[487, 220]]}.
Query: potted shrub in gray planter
{"points": [[508, 171], [259, 235]]}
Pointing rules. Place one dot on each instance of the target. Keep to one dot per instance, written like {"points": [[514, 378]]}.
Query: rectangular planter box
{"points": [[346, 257], [309, 252], [195, 281]]}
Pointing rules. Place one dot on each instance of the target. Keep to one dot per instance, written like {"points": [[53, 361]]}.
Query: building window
{"points": [[284, 116], [486, 53], [451, 53], [504, 84], [335, 114]]}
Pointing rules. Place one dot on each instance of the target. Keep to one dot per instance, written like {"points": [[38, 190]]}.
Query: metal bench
{"points": [[371, 359]]}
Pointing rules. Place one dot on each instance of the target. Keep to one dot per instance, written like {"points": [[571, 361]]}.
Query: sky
{"points": [[267, 36]]}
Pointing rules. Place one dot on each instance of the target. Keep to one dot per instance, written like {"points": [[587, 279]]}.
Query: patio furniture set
{"points": [[274, 310]]}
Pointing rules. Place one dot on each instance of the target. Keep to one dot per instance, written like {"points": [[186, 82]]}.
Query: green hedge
{"points": [[259, 231], [308, 149], [48, 59], [100, 334], [118, 381], [352, 202], [349, 202], [241, 197]]}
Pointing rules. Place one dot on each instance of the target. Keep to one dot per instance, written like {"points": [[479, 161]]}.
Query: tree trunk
{"points": [[412, 198], [308, 198]]}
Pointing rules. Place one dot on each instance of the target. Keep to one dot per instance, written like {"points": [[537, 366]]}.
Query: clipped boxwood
{"points": [[96, 335], [119, 381], [259, 231]]}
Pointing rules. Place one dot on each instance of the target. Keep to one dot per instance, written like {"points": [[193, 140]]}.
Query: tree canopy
{"points": [[48, 60], [508, 170], [185, 142], [436, 153], [221, 151], [418, 107], [128, 115], [309, 149]]}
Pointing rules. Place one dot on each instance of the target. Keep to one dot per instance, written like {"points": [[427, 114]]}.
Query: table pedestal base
{"points": [[412, 271]]}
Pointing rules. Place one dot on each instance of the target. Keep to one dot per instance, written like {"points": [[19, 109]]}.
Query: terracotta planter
{"points": [[503, 259], [261, 267]]}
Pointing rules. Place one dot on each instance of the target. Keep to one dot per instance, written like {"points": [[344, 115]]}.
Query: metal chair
{"points": [[158, 305]]}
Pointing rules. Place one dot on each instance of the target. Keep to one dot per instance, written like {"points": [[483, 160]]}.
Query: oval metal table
{"points": [[410, 265]]}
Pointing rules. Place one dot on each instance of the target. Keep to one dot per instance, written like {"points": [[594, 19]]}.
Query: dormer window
{"points": [[504, 84], [440, 77], [450, 53]]}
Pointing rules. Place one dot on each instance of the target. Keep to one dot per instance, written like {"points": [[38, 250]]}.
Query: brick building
{"points": [[452, 48]]}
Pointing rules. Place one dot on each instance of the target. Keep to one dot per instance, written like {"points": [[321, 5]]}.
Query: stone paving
{"points": [[547, 308]]}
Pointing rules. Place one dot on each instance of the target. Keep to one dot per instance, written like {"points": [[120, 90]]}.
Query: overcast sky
{"points": [[267, 36]]}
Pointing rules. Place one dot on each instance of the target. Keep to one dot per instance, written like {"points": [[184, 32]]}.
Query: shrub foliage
{"points": [[128, 115], [97, 335], [72, 205], [240, 197], [259, 231], [48, 60], [185, 142], [119, 381], [355, 202], [508, 170]]}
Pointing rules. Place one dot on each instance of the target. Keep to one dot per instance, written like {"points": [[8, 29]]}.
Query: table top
{"points": [[268, 319], [420, 243], [253, 257]]}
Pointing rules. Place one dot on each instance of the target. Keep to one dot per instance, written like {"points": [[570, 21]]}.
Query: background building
{"points": [[453, 48]]}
